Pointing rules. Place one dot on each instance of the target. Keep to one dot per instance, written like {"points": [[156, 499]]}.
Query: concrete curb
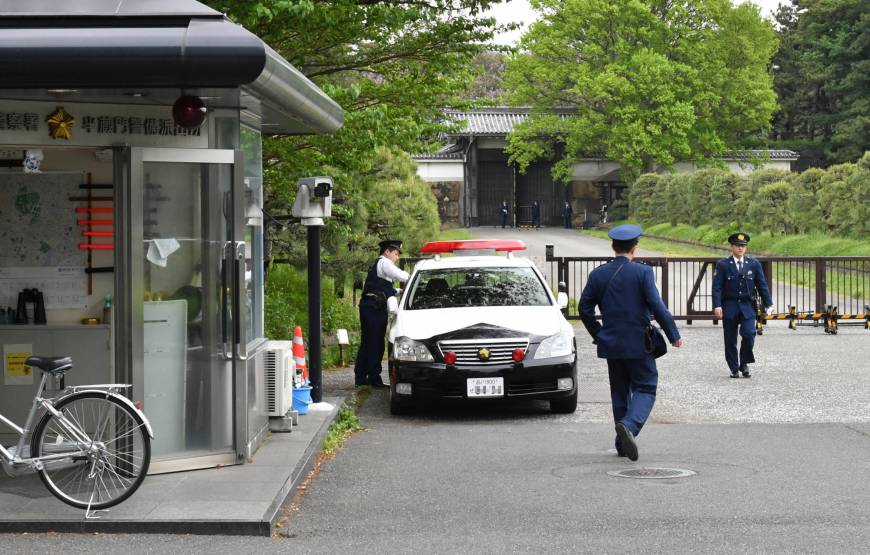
{"points": [[300, 471]]}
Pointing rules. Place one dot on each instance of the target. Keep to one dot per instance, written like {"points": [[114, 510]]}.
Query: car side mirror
{"points": [[393, 305], [562, 300]]}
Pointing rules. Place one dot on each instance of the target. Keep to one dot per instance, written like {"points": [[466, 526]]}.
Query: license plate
{"points": [[485, 387]]}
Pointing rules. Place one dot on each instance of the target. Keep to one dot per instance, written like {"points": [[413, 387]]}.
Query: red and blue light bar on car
{"points": [[499, 245]]}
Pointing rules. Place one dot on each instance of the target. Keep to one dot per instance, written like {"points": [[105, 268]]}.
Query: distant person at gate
{"points": [[735, 283], [536, 214], [625, 293], [504, 213], [568, 215]]}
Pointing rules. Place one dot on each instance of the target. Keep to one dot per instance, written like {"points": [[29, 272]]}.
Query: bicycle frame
{"points": [[77, 436]]}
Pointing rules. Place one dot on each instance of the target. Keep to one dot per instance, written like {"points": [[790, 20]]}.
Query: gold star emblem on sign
{"points": [[60, 124], [483, 354]]}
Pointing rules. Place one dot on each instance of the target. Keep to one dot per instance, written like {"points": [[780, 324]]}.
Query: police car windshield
{"points": [[464, 287]]}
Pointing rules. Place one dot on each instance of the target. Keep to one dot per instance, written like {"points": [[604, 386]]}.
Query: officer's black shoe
{"points": [[734, 374], [626, 439], [744, 369], [381, 385]]}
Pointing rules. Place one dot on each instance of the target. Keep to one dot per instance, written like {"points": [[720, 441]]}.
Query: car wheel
{"points": [[398, 405], [564, 405]]}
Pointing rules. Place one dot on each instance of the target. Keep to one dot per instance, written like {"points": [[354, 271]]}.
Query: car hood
{"points": [[423, 324]]}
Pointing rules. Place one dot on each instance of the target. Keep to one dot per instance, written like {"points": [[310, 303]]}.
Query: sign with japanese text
{"points": [[15, 372], [77, 124]]}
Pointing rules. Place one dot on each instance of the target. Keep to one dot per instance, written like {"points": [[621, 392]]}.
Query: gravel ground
{"points": [[801, 376]]}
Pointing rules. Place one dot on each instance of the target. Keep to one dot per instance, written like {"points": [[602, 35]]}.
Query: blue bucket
{"points": [[301, 399]]}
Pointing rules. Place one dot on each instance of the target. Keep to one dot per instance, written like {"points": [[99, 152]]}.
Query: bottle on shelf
{"points": [[107, 310]]}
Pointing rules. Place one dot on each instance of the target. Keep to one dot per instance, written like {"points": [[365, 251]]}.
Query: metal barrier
{"points": [[821, 289]]}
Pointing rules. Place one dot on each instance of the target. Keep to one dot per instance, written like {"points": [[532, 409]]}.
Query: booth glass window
{"points": [[187, 381], [252, 148]]}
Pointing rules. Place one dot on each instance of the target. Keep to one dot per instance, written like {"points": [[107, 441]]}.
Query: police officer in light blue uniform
{"points": [[377, 288], [626, 294], [737, 279]]}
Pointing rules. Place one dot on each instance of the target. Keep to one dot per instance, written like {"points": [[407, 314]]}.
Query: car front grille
{"points": [[468, 350]]}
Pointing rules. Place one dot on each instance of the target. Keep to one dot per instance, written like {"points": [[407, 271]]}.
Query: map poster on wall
{"points": [[38, 221], [15, 372]]}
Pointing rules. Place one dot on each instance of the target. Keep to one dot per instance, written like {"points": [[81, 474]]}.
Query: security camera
{"points": [[313, 200]]}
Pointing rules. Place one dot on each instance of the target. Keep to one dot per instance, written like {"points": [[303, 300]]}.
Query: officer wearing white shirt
{"points": [[373, 312], [737, 279]]}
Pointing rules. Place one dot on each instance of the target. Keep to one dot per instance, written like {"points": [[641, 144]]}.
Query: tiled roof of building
{"points": [[501, 120], [489, 121], [776, 154], [451, 151]]}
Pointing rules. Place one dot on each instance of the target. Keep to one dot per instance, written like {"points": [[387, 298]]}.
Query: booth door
{"points": [[181, 225]]}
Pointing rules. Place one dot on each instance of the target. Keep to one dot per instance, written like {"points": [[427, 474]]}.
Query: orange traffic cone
{"points": [[299, 352]]}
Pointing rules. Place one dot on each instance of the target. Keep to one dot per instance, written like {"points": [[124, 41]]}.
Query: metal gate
{"points": [[537, 185], [495, 183], [806, 283]]}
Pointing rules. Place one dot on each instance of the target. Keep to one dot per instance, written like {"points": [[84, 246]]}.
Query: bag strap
{"points": [[607, 287]]}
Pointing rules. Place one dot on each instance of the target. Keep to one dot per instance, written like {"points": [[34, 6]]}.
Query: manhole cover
{"points": [[652, 473]]}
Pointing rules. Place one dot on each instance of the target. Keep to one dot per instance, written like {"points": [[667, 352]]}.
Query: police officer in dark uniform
{"points": [[737, 279], [568, 215], [503, 212], [377, 288], [536, 214], [626, 294]]}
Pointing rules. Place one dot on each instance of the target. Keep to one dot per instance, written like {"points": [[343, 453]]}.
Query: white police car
{"points": [[480, 325]]}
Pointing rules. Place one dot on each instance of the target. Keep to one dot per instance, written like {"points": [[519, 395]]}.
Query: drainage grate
{"points": [[652, 473]]}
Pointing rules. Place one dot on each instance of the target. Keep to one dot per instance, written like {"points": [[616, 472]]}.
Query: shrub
{"points": [[286, 299]]}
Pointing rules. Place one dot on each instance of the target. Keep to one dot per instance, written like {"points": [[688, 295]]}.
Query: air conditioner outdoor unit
{"points": [[279, 367]]}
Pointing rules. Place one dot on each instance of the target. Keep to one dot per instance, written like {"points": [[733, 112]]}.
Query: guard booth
{"points": [[131, 210]]}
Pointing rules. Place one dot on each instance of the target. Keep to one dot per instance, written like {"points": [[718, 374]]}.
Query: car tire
{"points": [[564, 405], [399, 406]]}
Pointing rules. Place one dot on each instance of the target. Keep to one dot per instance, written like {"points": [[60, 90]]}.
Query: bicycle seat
{"points": [[52, 365]]}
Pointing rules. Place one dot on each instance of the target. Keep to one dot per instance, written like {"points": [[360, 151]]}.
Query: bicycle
{"points": [[92, 446]]}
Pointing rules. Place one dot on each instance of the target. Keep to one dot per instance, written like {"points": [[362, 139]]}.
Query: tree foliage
{"points": [[834, 201], [392, 66], [823, 77], [643, 82]]}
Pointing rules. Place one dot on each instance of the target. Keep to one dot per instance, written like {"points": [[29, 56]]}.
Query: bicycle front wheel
{"points": [[96, 455]]}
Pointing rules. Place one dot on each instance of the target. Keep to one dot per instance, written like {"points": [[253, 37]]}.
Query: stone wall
{"points": [[447, 194]]}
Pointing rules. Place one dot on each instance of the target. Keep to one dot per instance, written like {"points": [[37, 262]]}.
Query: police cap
{"points": [[625, 232], [390, 244], [738, 238]]}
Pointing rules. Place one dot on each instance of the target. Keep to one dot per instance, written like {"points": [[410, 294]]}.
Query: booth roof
{"points": [[104, 8], [124, 44]]}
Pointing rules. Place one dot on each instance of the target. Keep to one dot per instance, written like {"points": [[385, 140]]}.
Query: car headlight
{"points": [[559, 345], [410, 350]]}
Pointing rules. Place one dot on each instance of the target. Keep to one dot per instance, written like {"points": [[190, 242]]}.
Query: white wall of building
{"points": [[440, 170]]}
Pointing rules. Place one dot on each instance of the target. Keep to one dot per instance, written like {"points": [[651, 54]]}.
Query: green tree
{"points": [[768, 209], [724, 191], [823, 77], [643, 82], [392, 66], [640, 196], [802, 207]]}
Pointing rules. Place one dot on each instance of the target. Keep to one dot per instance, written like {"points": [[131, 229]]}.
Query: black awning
{"points": [[203, 52]]}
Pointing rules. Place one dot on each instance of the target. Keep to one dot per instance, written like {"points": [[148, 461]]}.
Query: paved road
{"points": [[567, 242]]}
